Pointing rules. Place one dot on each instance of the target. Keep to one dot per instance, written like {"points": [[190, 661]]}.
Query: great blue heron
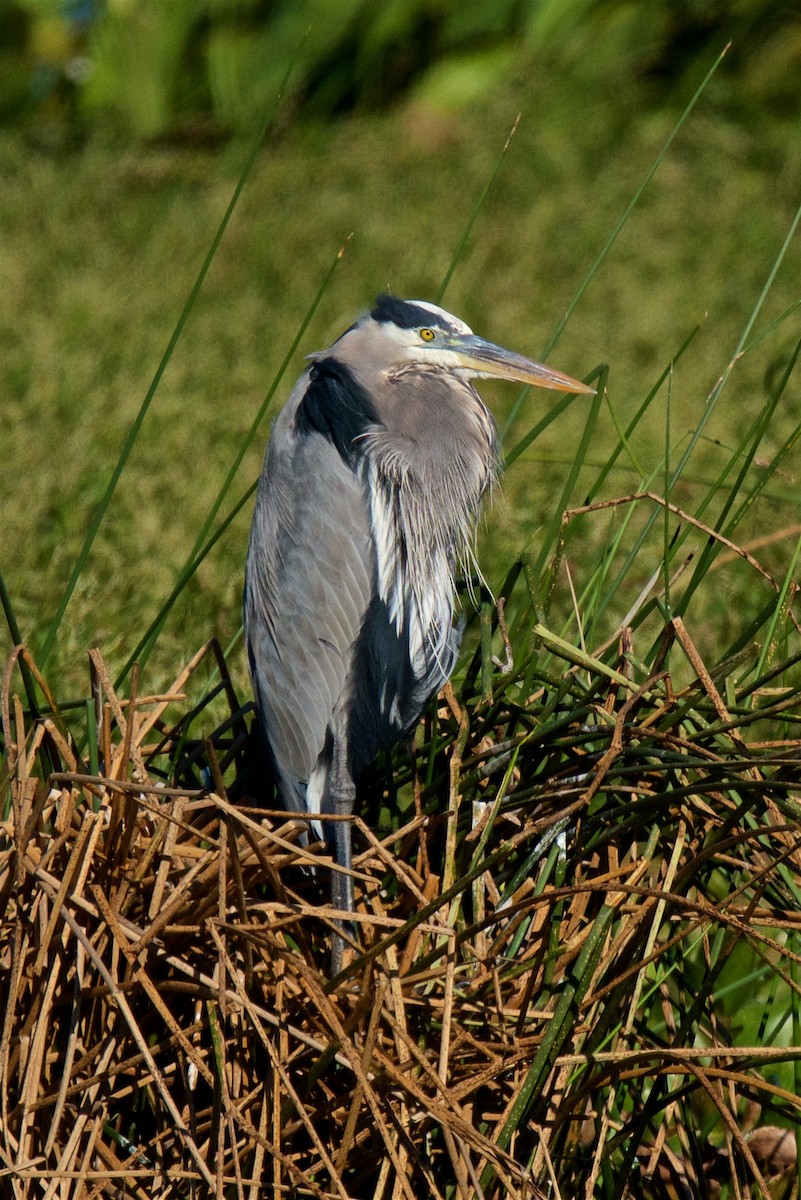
{"points": [[367, 503]]}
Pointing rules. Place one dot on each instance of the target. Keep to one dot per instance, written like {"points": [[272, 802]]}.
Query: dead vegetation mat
{"points": [[549, 903]]}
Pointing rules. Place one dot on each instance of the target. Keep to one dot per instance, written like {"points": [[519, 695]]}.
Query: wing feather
{"points": [[308, 585]]}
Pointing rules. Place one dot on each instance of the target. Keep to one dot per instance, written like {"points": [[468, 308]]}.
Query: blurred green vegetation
{"points": [[103, 238], [152, 67]]}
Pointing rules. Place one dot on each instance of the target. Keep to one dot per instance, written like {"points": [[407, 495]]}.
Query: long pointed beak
{"points": [[488, 361]]}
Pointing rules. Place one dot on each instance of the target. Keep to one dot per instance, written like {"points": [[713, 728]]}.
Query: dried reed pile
{"points": [[541, 1005]]}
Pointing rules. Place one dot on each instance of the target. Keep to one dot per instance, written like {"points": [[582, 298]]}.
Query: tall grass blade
{"points": [[625, 437], [10, 615], [199, 551], [562, 404], [760, 425], [145, 645], [613, 236], [550, 545], [742, 453], [717, 391], [457, 254], [571, 992], [133, 432], [666, 521], [16, 639], [780, 610]]}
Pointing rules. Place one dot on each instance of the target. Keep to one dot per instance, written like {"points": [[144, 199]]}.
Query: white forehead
{"points": [[458, 325]]}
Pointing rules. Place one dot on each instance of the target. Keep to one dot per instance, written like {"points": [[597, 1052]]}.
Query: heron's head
{"points": [[405, 333]]}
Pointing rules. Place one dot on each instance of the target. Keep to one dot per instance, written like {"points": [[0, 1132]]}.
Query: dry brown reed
{"points": [[535, 1010]]}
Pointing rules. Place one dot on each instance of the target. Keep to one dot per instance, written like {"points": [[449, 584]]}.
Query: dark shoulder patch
{"points": [[402, 313], [337, 406]]}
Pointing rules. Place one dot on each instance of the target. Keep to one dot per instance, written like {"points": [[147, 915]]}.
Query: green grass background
{"points": [[101, 245]]}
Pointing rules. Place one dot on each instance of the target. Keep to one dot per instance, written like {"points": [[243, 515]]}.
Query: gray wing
{"points": [[308, 585]]}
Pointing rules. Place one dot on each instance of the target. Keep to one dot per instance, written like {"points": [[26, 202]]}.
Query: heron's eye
{"points": [[427, 335]]}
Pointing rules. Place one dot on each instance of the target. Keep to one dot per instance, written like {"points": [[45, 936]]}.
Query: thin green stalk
{"points": [[666, 534], [780, 609], [551, 415], [610, 241], [16, 639], [772, 327], [591, 596], [716, 393], [795, 1001], [265, 404], [624, 438], [745, 452], [10, 615], [133, 432], [755, 435], [146, 643], [476, 210], [571, 993], [551, 535], [607, 465]]}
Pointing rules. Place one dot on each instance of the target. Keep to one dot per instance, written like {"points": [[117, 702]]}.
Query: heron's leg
{"points": [[342, 791]]}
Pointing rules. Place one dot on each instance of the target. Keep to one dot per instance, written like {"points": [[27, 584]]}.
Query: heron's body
{"points": [[367, 503]]}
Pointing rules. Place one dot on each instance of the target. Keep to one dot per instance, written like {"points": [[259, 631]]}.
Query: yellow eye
{"points": [[427, 335]]}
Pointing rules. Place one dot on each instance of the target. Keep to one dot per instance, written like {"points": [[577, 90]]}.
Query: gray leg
{"points": [[343, 794]]}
